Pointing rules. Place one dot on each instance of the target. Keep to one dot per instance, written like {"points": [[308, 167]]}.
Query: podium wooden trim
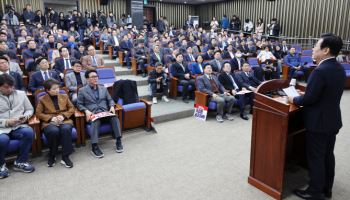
{"points": [[276, 124]]}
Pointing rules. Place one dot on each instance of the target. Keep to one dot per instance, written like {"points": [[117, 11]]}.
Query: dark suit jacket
{"points": [[59, 64], [203, 84], [245, 81], [235, 65], [126, 90], [154, 59], [215, 66], [36, 80], [322, 98], [178, 72], [87, 100], [188, 59], [18, 80], [207, 56], [125, 45], [226, 81]]}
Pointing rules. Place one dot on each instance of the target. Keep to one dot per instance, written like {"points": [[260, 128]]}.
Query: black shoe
{"points": [[96, 151], [119, 146], [144, 75], [66, 162], [251, 111], [243, 116], [327, 193], [51, 161], [305, 194], [185, 100]]}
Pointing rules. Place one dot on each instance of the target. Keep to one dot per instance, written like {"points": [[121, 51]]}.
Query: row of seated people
{"points": [[55, 110], [189, 78]]}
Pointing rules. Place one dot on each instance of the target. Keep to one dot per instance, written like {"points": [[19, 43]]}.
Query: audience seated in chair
{"points": [[91, 61], [180, 70], [93, 99], [37, 79], [75, 80], [159, 83], [15, 111], [5, 69], [64, 62], [55, 110], [209, 84], [293, 61], [232, 86], [141, 57], [247, 79]]}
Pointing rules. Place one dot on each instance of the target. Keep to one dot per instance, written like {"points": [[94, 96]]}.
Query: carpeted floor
{"points": [[187, 160]]}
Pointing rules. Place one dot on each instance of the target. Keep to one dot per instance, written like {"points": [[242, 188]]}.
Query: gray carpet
{"points": [[187, 160]]}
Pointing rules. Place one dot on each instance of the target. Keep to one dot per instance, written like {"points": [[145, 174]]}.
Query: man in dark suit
{"points": [[189, 57], [209, 54], [231, 85], [180, 70], [126, 47], [158, 81], [216, 64], [209, 84], [156, 56], [36, 80], [113, 40], [64, 62], [322, 116], [93, 99], [246, 79], [5, 69]]}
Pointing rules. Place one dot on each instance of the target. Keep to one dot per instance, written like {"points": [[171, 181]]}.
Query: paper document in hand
{"points": [[244, 92], [100, 115], [291, 91]]}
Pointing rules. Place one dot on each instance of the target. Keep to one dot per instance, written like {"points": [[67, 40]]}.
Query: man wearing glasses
{"points": [[94, 99]]}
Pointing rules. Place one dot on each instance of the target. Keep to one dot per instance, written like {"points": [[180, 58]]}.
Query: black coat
{"points": [[226, 81], [322, 98], [178, 72], [247, 81], [126, 90]]}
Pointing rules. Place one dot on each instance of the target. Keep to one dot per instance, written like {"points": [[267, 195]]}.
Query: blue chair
{"points": [[253, 62], [135, 114], [76, 134], [106, 75], [307, 61], [175, 88], [307, 52]]}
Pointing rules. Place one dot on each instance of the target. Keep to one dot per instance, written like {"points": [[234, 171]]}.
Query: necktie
{"points": [[219, 65], [246, 73], [233, 81], [192, 58], [200, 68], [46, 75], [67, 63], [94, 63]]}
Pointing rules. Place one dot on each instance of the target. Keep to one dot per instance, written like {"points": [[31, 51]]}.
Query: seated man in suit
{"points": [[93, 99], [209, 84], [126, 47], [156, 56], [15, 110], [246, 78], [237, 62], [64, 62], [141, 57], [32, 52], [158, 81], [293, 60], [5, 69], [197, 67], [113, 40], [229, 53], [216, 63], [36, 80], [209, 54], [91, 61], [51, 44], [189, 57], [231, 85], [75, 80], [180, 70]]}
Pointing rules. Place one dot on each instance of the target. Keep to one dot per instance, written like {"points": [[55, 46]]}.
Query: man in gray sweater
{"points": [[15, 110]]}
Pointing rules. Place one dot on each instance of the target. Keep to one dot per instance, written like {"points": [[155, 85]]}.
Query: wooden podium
{"points": [[278, 135]]}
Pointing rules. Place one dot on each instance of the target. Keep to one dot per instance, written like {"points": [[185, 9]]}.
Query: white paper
{"points": [[291, 91], [244, 92]]}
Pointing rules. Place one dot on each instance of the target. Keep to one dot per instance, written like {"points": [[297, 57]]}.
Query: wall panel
{"points": [[301, 18]]}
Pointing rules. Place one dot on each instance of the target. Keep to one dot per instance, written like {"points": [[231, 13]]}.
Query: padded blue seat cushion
{"points": [[74, 136], [212, 105], [134, 106], [104, 128], [106, 80], [105, 73], [13, 146]]}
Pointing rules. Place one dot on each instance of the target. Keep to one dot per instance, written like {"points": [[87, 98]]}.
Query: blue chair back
{"points": [[307, 52], [346, 66], [253, 62], [105, 75]]}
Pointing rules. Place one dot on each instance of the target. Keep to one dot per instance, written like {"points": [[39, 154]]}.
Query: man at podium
{"points": [[322, 116]]}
